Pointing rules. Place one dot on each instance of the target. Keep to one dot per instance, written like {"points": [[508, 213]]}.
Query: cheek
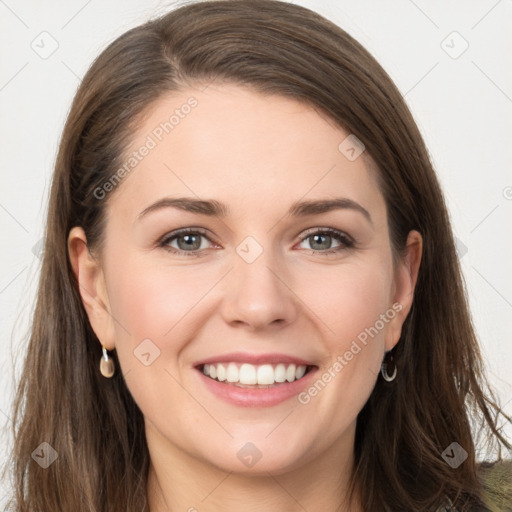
{"points": [[354, 310], [160, 303], [153, 308], [347, 299], [150, 300]]}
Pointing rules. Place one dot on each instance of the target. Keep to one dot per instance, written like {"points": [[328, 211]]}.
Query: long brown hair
{"points": [[93, 424]]}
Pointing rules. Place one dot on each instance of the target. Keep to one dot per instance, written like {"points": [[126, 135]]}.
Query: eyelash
{"points": [[346, 241]]}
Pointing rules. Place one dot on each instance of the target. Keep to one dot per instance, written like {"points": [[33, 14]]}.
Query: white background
{"points": [[463, 107]]}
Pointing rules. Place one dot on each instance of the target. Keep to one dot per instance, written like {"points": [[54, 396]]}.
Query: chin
{"points": [[259, 459]]}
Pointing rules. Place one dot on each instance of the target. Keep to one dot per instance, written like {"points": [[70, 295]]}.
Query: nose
{"points": [[258, 294]]}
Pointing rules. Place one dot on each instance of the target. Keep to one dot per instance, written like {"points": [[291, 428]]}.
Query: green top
{"points": [[497, 482]]}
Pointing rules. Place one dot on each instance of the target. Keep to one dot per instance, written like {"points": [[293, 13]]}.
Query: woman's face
{"points": [[256, 286]]}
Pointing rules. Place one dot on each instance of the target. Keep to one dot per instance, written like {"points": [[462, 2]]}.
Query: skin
{"points": [[257, 154]]}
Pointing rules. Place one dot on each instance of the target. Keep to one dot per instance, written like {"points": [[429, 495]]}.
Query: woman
{"points": [[250, 296]]}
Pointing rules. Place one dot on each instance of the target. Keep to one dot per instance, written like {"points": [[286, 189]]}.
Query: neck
{"points": [[180, 482]]}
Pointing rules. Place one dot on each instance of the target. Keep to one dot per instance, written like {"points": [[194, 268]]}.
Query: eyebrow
{"points": [[215, 208]]}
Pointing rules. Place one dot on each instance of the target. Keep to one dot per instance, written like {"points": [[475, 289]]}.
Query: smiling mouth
{"points": [[247, 375]]}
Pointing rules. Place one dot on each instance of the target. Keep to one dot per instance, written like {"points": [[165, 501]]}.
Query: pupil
{"points": [[190, 240], [326, 245]]}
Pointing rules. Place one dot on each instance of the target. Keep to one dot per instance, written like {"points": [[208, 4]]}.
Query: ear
{"points": [[92, 288], [406, 275]]}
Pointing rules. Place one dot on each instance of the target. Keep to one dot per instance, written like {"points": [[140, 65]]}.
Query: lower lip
{"points": [[256, 397]]}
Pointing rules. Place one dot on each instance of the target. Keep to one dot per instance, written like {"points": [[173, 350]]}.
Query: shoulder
{"points": [[496, 479]]}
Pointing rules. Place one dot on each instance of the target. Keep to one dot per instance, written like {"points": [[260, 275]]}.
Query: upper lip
{"points": [[256, 359]]}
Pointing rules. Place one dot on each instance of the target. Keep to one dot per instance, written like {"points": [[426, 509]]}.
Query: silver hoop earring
{"points": [[107, 367], [386, 364]]}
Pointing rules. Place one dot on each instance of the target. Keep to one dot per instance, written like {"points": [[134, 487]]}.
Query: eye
{"points": [[188, 241], [321, 240]]}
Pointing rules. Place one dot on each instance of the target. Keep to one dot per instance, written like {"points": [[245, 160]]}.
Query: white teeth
{"points": [[232, 373], [290, 373], [221, 372], [266, 374], [300, 371], [280, 373], [249, 374]]}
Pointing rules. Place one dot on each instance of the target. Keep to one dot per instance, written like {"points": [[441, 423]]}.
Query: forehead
{"points": [[241, 147]]}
